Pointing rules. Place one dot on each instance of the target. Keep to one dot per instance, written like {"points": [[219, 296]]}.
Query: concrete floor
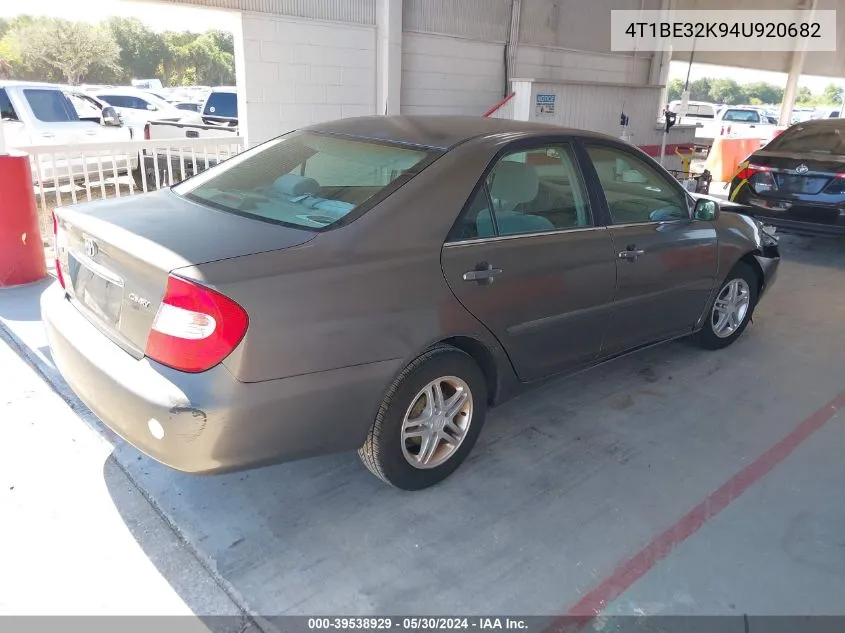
{"points": [[574, 498]]}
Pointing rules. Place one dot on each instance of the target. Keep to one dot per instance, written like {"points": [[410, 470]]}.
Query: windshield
{"points": [[50, 106], [307, 180], [821, 138]]}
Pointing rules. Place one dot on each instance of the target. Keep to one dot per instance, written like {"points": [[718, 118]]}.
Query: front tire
{"points": [[429, 420], [731, 310]]}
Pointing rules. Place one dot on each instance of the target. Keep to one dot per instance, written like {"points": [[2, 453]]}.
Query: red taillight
{"points": [[147, 132], [195, 327], [59, 274], [750, 169]]}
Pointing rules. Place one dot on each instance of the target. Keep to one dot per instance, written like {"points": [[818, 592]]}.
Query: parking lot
{"points": [[673, 481]]}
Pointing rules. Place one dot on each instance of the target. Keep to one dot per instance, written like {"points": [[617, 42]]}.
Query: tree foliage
{"points": [[115, 51], [730, 92]]}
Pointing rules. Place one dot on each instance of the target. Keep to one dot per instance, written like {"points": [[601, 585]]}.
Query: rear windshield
{"points": [[50, 106], [824, 138], [222, 104], [307, 180]]}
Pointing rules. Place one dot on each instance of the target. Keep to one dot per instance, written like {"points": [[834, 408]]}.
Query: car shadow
{"points": [[324, 536], [813, 250], [17, 304]]}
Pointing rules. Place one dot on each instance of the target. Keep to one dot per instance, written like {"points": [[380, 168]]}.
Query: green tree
{"points": [[833, 94], [727, 91], [142, 50], [700, 89], [765, 92], [674, 89], [67, 49], [805, 96]]}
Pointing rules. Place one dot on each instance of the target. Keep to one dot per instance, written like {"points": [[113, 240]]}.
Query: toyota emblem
{"points": [[802, 169], [91, 248]]}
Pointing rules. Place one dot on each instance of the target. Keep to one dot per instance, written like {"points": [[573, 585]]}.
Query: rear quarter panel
{"points": [[367, 292]]}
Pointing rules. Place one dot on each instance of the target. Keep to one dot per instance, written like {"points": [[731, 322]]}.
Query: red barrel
{"points": [[21, 246]]}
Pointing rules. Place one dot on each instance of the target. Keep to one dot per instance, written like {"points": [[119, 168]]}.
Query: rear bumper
{"points": [[807, 228], [781, 220], [211, 421]]}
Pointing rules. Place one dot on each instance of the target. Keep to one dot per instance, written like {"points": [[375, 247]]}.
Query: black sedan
{"points": [[797, 181]]}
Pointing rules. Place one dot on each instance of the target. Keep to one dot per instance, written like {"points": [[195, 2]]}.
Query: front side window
{"points": [[529, 191], [306, 180], [50, 106], [635, 191]]}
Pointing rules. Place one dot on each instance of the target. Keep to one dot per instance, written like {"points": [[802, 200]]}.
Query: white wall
{"points": [[539, 62], [296, 72], [450, 75]]}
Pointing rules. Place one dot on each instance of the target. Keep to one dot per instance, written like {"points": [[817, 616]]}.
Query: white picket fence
{"points": [[66, 174]]}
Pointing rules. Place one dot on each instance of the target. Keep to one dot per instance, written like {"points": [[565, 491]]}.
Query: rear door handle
{"points": [[483, 274]]}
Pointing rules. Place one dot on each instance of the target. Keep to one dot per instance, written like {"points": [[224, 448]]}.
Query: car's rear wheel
{"points": [[428, 421], [731, 310]]}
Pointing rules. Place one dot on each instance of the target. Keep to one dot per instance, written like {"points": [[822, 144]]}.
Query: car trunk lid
{"points": [[804, 174], [116, 255]]}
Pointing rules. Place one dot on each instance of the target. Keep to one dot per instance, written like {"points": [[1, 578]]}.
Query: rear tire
{"points": [[429, 420], [731, 310]]}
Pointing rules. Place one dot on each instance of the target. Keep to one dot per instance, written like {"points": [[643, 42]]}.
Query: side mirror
{"points": [[706, 210], [110, 117], [151, 107]]}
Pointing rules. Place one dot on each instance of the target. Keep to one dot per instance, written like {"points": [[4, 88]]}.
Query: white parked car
{"points": [[137, 107], [37, 114]]}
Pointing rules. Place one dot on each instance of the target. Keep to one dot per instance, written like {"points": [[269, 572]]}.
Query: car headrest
{"points": [[514, 182], [293, 185]]}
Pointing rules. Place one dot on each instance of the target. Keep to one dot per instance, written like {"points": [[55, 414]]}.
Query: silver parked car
{"points": [[378, 283]]}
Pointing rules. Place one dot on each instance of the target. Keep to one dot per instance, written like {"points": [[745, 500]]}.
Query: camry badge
{"points": [[802, 169], [139, 301]]}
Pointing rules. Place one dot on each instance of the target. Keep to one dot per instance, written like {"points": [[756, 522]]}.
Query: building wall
{"points": [[546, 62], [450, 75], [301, 71]]}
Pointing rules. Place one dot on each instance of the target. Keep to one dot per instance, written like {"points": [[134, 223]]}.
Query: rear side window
{"points": [[122, 101], [742, 116], [50, 106], [306, 180], [823, 138], [222, 104], [7, 112]]}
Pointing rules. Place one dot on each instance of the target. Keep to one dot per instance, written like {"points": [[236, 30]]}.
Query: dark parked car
{"points": [[378, 283], [797, 181]]}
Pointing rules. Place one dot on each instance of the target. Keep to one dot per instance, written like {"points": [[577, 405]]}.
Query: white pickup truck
{"points": [[734, 121], [217, 121], [35, 114]]}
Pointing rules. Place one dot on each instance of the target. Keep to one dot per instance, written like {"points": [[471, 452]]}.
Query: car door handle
{"points": [[48, 135], [483, 274], [631, 253]]}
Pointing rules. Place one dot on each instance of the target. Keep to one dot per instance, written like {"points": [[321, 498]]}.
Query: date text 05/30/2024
{"points": [[417, 624]]}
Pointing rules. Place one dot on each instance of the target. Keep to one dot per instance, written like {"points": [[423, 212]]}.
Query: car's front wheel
{"points": [[731, 310], [428, 421]]}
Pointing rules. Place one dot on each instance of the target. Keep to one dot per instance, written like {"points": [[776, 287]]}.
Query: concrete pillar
{"points": [[388, 56], [241, 76], [795, 69]]}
